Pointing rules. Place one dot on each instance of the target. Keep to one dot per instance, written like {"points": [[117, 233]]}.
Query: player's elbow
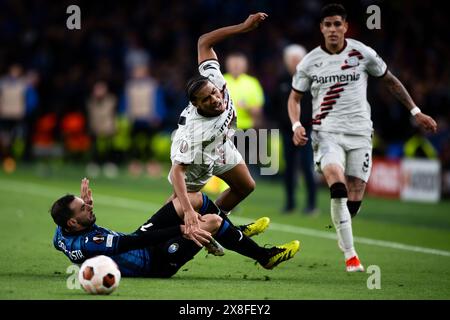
{"points": [[204, 42], [201, 43], [177, 170]]}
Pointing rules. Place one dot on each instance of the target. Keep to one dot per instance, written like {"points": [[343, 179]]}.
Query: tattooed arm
{"points": [[401, 94]]}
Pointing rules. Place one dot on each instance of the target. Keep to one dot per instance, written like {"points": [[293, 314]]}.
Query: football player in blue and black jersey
{"points": [[159, 247]]}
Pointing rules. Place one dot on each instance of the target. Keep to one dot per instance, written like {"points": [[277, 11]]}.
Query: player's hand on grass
{"points": [[426, 122], [299, 137], [86, 192], [253, 21]]}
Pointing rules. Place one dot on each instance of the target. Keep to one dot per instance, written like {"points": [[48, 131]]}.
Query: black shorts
{"points": [[168, 257], [164, 218]]}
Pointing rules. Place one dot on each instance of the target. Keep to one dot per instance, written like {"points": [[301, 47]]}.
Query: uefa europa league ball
{"points": [[99, 275]]}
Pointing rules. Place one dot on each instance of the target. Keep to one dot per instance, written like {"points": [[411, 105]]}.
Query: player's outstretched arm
{"points": [[208, 40], [192, 219], [399, 91], [294, 110]]}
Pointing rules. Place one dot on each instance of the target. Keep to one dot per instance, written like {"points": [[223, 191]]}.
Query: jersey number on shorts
{"points": [[366, 163], [145, 226]]}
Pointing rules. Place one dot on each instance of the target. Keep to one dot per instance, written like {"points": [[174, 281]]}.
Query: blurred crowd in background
{"points": [[112, 91]]}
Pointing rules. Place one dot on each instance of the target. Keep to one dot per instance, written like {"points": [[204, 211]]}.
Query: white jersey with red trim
{"points": [[198, 138], [338, 85]]}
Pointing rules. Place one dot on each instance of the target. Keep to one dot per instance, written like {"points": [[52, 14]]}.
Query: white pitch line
{"points": [[52, 193]]}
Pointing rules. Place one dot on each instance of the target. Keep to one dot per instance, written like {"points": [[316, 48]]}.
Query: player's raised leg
{"points": [[241, 185], [251, 229]]}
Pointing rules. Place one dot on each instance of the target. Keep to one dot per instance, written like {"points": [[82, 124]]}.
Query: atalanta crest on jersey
{"points": [[173, 247]]}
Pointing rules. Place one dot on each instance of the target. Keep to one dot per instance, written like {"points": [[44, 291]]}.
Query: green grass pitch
{"points": [[409, 242]]}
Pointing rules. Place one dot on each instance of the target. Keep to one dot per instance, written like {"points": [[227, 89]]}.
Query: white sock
{"points": [[343, 223]]}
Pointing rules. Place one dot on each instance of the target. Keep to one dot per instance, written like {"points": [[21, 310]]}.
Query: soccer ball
{"points": [[99, 275]]}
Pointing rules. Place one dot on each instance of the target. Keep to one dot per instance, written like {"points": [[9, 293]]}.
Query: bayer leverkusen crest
{"points": [[352, 61]]}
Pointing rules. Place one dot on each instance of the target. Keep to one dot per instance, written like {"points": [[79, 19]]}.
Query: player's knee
{"points": [[216, 221], [332, 171], [213, 222], [338, 190], [249, 187]]}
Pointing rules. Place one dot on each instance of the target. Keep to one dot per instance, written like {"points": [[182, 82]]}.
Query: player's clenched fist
{"points": [[253, 21]]}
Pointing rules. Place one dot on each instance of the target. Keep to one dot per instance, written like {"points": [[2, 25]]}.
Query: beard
{"points": [[89, 222]]}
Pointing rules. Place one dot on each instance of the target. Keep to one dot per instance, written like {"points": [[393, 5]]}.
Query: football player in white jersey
{"points": [[336, 73], [201, 146]]}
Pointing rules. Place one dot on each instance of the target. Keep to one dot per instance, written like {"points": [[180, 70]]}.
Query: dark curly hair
{"points": [[194, 85], [61, 211]]}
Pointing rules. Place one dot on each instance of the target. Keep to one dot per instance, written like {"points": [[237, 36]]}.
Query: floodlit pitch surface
{"points": [[409, 242]]}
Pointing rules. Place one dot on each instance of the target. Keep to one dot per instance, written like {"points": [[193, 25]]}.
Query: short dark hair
{"points": [[194, 85], [333, 9], [61, 211]]}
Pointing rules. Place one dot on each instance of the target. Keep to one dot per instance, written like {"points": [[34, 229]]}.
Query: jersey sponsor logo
{"points": [[98, 238], [336, 78], [173, 248], [74, 255], [229, 120]]}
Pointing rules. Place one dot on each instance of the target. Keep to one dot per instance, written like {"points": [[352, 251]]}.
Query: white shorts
{"points": [[352, 152], [197, 175]]}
